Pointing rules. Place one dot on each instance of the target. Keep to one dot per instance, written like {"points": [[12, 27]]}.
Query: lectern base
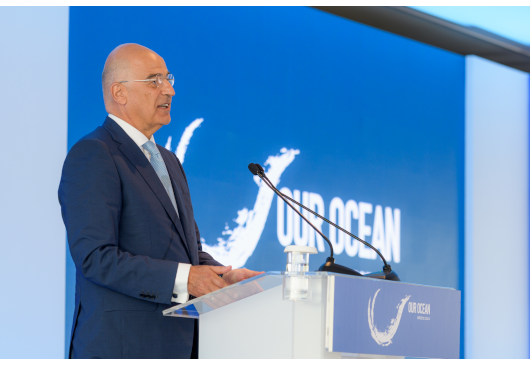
{"points": [[349, 356], [267, 328], [336, 317]]}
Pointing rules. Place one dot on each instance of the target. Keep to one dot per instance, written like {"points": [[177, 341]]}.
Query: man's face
{"points": [[149, 104]]}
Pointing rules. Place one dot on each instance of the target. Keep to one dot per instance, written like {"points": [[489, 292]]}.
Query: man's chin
{"points": [[165, 120]]}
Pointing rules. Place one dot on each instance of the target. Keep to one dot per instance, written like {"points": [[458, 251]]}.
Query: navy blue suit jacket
{"points": [[126, 241]]}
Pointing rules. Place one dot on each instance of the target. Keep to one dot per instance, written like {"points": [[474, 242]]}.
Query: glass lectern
{"points": [[324, 315]]}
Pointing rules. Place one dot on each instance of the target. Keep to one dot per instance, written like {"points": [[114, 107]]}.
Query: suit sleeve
{"points": [[90, 197], [204, 257]]}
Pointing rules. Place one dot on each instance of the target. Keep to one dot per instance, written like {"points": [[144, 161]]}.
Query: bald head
{"points": [[120, 66], [131, 90]]}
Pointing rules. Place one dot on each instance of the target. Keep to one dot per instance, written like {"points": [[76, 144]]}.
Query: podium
{"points": [[325, 316]]}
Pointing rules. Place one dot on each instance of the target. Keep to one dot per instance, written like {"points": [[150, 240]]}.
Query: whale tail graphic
{"points": [[384, 338], [182, 147], [243, 239]]}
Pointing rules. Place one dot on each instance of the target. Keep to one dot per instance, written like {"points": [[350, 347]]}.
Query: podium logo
{"points": [[384, 338]]}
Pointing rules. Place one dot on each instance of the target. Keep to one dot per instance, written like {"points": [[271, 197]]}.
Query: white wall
{"points": [[33, 117], [496, 279]]}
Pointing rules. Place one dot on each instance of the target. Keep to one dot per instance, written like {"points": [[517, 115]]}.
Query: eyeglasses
{"points": [[158, 80]]}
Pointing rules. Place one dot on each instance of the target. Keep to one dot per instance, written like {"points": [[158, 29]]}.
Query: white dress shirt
{"points": [[180, 290]]}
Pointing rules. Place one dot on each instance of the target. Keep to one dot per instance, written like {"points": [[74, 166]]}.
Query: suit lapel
{"points": [[183, 212], [138, 160]]}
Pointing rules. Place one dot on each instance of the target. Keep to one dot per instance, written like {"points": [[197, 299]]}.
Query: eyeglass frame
{"points": [[157, 77]]}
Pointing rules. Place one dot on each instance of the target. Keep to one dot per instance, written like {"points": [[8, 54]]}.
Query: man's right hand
{"points": [[204, 279]]}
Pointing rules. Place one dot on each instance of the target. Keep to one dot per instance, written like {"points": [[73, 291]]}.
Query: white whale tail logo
{"points": [[243, 239], [385, 338], [185, 139]]}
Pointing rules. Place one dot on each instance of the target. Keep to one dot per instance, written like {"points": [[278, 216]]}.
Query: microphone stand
{"points": [[386, 274], [329, 265]]}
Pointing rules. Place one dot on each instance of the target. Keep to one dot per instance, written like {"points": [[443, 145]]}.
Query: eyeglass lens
{"points": [[160, 79]]}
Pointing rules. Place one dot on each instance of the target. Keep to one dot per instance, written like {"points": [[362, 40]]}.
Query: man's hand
{"points": [[204, 279], [237, 275]]}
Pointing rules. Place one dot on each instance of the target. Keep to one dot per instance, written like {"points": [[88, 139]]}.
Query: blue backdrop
{"points": [[366, 126]]}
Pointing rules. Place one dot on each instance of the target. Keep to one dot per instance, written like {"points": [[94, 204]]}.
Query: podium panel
{"points": [[336, 316], [393, 318]]}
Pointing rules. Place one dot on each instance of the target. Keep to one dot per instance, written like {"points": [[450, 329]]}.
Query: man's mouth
{"points": [[164, 106]]}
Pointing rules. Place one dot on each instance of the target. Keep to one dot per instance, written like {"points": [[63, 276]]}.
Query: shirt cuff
{"points": [[180, 290]]}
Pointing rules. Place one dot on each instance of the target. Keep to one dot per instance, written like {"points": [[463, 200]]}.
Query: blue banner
{"points": [[365, 127], [344, 118]]}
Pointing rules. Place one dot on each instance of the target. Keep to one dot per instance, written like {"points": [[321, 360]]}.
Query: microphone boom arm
{"points": [[338, 227], [271, 185], [329, 265], [261, 173]]}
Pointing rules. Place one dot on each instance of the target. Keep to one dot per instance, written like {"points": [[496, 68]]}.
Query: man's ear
{"points": [[119, 93]]}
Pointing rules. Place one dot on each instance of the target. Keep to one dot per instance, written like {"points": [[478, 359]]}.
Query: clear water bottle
{"points": [[295, 282]]}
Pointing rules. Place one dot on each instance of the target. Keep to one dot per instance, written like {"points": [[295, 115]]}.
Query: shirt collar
{"points": [[138, 137]]}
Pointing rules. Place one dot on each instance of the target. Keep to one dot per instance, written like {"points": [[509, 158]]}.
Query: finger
{"points": [[247, 274], [221, 269], [218, 282], [213, 283], [252, 272], [212, 287], [204, 287], [202, 290]]}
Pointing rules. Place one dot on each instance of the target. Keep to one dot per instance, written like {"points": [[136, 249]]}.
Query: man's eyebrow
{"points": [[154, 75]]}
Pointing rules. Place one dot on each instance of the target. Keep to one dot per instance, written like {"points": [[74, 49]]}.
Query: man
{"points": [[131, 229]]}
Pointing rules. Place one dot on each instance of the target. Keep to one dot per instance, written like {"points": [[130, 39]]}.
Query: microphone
{"points": [[254, 168], [330, 264], [386, 274]]}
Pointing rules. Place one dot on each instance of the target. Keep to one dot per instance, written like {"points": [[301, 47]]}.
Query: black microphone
{"points": [[386, 274], [254, 168], [330, 264]]}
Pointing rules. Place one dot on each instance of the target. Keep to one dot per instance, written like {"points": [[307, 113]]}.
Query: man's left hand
{"points": [[237, 275]]}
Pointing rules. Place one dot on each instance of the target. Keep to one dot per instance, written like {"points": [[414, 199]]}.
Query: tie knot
{"points": [[151, 148]]}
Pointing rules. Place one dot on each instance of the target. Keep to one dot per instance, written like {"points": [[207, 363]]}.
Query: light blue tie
{"points": [[160, 168]]}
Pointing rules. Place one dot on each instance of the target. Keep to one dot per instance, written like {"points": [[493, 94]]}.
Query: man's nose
{"points": [[167, 89]]}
